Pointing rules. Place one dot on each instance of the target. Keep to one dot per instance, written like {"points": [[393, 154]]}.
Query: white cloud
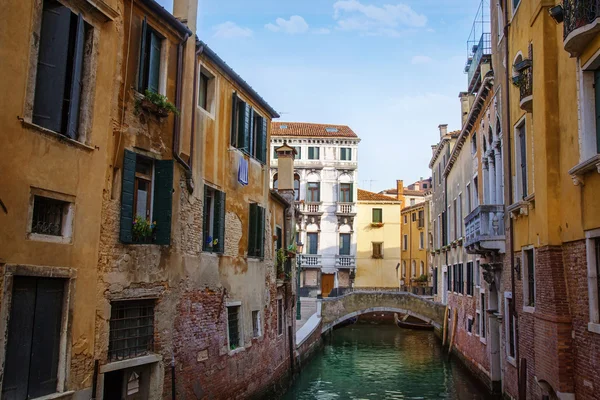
{"points": [[370, 19], [421, 60], [321, 31], [296, 24], [228, 30]]}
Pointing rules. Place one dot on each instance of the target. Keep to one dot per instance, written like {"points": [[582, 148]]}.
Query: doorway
{"points": [[327, 283]]}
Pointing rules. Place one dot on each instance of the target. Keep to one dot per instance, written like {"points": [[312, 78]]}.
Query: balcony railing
{"points": [[346, 208], [485, 229], [525, 83], [580, 23], [309, 207], [345, 261], [481, 52], [310, 261]]}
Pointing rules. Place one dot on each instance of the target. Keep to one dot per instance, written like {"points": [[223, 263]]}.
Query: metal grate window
{"points": [[233, 318], [131, 329], [48, 216]]}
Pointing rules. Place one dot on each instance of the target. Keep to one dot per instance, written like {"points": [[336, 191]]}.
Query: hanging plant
{"points": [[143, 229], [156, 103]]}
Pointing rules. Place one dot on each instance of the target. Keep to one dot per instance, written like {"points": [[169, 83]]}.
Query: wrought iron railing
{"points": [[345, 261], [485, 222], [578, 13], [525, 81]]}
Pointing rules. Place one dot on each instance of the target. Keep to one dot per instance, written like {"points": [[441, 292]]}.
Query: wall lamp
{"points": [[557, 13]]}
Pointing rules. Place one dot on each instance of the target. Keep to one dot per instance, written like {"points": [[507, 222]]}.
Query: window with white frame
{"points": [[460, 216], [520, 188], [206, 90], [404, 242], [422, 269], [482, 317], [470, 322], [468, 198], [51, 216], [509, 326], [593, 271], [256, 328], [477, 274], [589, 106], [421, 240], [528, 268], [234, 325], [413, 268]]}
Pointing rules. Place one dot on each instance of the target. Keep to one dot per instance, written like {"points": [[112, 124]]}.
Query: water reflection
{"points": [[383, 362]]}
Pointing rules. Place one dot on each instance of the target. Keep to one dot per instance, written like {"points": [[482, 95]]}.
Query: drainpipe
{"points": [[177, 122], [510, 201]]}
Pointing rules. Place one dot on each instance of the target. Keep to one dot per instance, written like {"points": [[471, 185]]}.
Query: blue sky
{"points": [[389, 69]]}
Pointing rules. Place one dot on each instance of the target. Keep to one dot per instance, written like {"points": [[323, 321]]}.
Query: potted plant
{"points": [[157, 104], [377, 224], [280, 258], [143, 229]]}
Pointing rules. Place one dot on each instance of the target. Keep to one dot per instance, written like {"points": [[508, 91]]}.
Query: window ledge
{"points": [[206, 112], [528, 309], [511, 361], [38, 237], [594, 327], [132, 362], [483, 340], [58, 136], [53, 396], [235, 351], [577, 172], [519, 208]]}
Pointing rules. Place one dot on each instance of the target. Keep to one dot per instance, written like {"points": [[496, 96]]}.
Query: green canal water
{"points": [[366, 361]]}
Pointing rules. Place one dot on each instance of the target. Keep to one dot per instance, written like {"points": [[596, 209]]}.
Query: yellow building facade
{"points": [[378, 240], [414, 244]]}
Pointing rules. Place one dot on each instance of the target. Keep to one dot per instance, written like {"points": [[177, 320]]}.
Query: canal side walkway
{"points": [[310, 322]]}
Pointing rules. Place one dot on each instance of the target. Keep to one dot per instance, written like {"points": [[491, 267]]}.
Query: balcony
{"points": [[421, 223], [581, 24], [485, 230], [310, 261], [345, 261], [346, 209], [309, 207], [478, 63], [524, 81]]}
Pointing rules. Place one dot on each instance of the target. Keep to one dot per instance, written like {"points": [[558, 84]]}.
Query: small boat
{"points": [[404, 323]]}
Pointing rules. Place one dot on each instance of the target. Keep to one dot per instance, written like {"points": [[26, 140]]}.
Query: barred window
{"points": [[131, 329], [233, 326], [48, 216]]}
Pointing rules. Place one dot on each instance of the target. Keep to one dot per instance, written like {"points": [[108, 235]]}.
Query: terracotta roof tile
{"points": [[309, 129], [364, 195]]}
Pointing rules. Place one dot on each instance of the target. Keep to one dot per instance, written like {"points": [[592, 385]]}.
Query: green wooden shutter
{"points": [[205, 220], [351, 193], [154, 67], [264, 142], [52, 66], [252, 237], [127, 196], [243, 141], [163, 200], [318, 199], [261, 231], [251, 138], [219, 226], [142, 61], [234, 122], [597, 90], [75, 96]]}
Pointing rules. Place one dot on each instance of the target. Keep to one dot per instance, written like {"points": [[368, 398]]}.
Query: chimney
{"points": [[400, 190], [443, 130], [187, 12], [285, 168], [466, 101]]}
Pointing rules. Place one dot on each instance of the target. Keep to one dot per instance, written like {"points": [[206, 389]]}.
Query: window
{"points": [[146, 198], [515, 4], [279, 316], [455, 278], [313, 192], [413, 217], [206, 90], [275, 155], [413, 268], [346, 190], [313, 153], [412, 202], [213, 220], [435, 280], [521, 149], [248, 129], [470, 281], [475, 193], [346, 154], [256, 324], [468, 198], [478, 323], [298, 152], [474, 144], [344, 244], [51, 217], [461, 278], [33, 338], [131, 329], [449, 279], [455, 220], [59, 78], [377, 250], [470, 325], [477, 274], [421, 240], [377, 215], [593, 273], [421, 219], [404, 242], [483, 316], [275, 181], [510, 325], [403, 269], [331, 130], [405, 219], [296, 187], [528, 262], [589, 100], [149, 62], [233, 326], [421, 268], [279, 243], [256, 231], [460, 216], [313, 243]]}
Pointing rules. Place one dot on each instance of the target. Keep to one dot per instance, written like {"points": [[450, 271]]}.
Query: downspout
{"points": [[177, 122], [510, 201]]}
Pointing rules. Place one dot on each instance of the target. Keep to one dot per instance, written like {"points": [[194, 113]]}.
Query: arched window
{"points": [[474, 144], [422, 268], [297, 187], [275, 183], [413, 268]]}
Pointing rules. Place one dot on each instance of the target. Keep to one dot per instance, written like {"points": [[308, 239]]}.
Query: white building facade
{"points": [[325, 179]]}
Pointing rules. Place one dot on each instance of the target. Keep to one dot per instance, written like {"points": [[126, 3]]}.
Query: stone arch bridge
{"points": [[335, 310]]}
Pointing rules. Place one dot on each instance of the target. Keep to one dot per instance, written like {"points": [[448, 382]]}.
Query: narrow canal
{"points": [[365, 361]]}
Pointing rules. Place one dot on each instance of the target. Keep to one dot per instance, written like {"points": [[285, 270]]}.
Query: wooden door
{"points": [[327, 281]]}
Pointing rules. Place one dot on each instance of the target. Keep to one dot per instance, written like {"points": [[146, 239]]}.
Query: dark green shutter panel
{"points": [[252, 222], [243, 127], [318, 199], [127, 196], [261, 231], [154, 63], [234, 122], [219, 227], [52, 66], [264, 142], [142, 61], [250, 135], [205, 219], [597, 90], [75, 97], [351, 193], [163, 200], [46, 337]]}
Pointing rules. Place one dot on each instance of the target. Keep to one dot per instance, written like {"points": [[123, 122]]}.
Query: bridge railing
{"points": [[420, 291]]}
